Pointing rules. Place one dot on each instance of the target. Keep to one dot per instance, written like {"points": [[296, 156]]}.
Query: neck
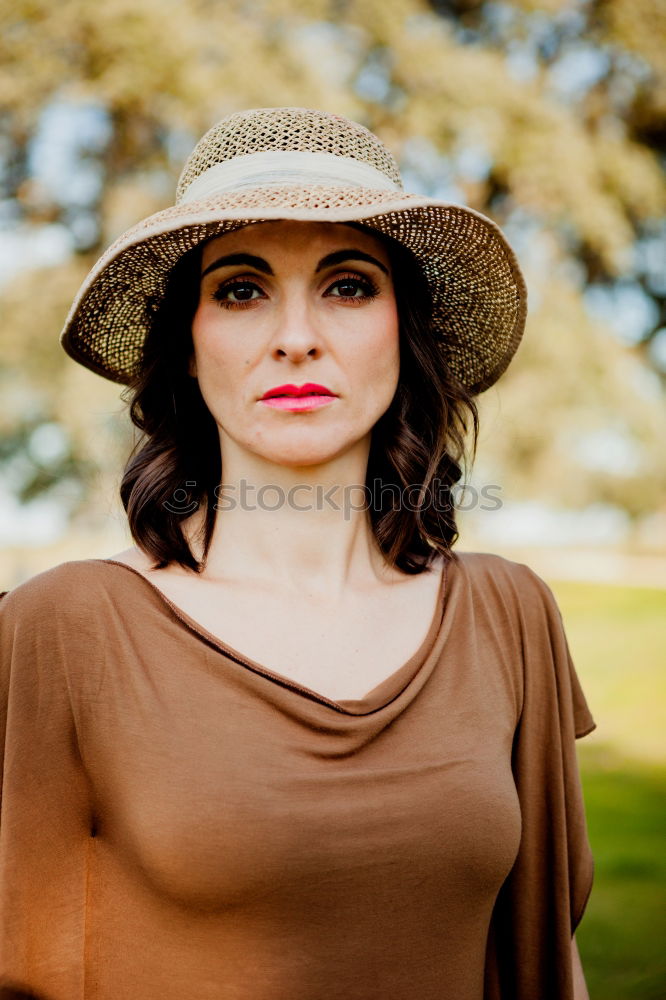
{"points": [[300, 528]]}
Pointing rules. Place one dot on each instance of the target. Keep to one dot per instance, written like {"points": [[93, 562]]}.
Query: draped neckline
{"points": [[378, 697]]}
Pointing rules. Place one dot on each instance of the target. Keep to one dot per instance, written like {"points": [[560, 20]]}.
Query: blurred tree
{"points": [[547, 115]]}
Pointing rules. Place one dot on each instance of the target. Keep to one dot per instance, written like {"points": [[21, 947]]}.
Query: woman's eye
{"points": [[239, 293], [352, 288]]}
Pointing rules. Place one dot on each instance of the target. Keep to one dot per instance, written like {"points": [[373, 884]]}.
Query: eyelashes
{"points": [[368, 288], [236, 287], [241, 293]]}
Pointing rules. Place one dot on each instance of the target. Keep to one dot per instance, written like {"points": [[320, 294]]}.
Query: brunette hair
{"points": [[419, 442]]}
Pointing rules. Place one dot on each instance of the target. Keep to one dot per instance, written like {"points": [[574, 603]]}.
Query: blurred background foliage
{"points": [[547, 115]]}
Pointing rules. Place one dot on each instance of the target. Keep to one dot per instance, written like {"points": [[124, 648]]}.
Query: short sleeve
{"points": [[44, 811], [543, 899]]}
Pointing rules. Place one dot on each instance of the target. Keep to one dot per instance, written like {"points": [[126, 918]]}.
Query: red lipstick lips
{"points": [[309, 396], [308, 389]]}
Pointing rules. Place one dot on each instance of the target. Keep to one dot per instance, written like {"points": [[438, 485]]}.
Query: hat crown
{"points": [[286, 130]]}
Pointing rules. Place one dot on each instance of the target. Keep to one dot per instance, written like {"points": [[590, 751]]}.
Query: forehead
{"points": [[308, 240]]}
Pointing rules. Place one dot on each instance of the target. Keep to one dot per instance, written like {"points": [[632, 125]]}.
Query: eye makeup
{"points": [[236, 286], [247, 287], [366, 285]]}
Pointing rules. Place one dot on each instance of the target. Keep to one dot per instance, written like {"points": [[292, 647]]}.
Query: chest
{"points": [[218, 787], [217, 796]]}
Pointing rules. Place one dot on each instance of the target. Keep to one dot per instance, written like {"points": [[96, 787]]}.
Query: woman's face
{"points": [[290, 303]]}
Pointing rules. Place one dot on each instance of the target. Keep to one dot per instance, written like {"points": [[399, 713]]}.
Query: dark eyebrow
{"points": [[248, 259], [340, 256], [331, 259]]}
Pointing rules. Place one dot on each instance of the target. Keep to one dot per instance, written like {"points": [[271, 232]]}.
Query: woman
{"points": [[289, 744]]}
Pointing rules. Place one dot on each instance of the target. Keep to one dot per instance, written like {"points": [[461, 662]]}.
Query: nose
{"points": [[297, 335]]}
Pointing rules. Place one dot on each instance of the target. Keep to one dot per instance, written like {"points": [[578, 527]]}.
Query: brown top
{"points": [[178, 821]]}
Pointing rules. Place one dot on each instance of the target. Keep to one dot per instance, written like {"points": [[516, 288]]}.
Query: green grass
{"points": [[617, 637]]}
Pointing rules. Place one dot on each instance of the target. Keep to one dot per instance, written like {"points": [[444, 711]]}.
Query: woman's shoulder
{"points": [[494, 570], [513, 589], [529, 603], [54, 589]]}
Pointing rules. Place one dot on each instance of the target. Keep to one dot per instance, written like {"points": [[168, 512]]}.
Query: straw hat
{"points": [[295, 163]]}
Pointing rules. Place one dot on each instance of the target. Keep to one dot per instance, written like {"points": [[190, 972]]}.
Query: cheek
{"points": [[219, 357], [381, 351]]}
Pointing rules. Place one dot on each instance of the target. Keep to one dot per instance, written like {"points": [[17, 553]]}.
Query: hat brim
{"points": [[478, 290]]}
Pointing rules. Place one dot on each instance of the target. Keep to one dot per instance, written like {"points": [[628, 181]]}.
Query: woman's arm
{"points": [[45, 808], [580, 987]]}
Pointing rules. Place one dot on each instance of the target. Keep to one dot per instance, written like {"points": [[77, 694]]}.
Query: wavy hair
{"points": [[417, 452]]}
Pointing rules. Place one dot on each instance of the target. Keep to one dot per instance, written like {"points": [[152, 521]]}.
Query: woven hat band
{"points": [[280, 168]]}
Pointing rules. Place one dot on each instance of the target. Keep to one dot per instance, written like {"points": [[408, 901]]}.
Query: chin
{"points": [[294, 458], [309, 449]]}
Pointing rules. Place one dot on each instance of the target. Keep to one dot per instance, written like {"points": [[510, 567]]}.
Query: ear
{"points": [[192, 366]]}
